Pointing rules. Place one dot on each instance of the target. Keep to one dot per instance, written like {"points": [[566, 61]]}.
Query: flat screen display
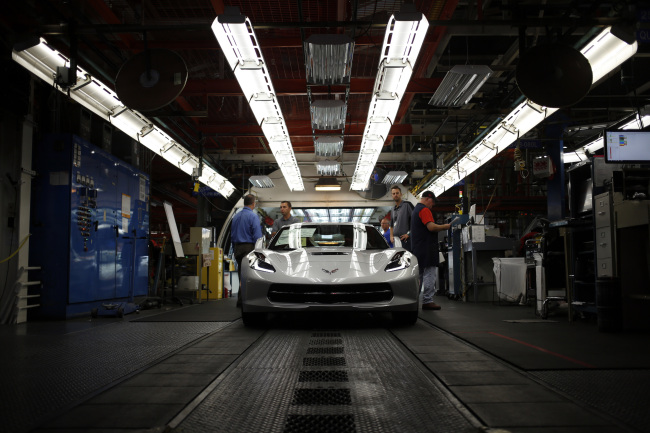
{"points": [[630, 147]]}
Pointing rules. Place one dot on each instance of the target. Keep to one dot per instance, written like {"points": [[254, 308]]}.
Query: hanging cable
{"points": [[18, 249], [520, 162]]}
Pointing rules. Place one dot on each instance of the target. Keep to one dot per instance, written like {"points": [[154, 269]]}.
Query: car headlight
{"points": [[398, 262], [260, 263]]}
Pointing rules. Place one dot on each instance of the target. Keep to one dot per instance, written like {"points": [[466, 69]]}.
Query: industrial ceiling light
{"points": [[238, 41], [261, 181], [639, 120], [329, 146], [394, 177], [604, 53], [42, 60], [328, 168], [402, 43], [459, 85], [327, 184], [328, 114], [328, 59]]}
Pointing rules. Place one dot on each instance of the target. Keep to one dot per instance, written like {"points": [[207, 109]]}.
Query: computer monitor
{"points": [[627, 147]]}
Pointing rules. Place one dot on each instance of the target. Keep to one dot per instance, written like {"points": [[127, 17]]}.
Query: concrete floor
{"points": [[500, 366]]}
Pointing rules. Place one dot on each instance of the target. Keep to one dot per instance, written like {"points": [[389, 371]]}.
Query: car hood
{"points": [[326, 263]]}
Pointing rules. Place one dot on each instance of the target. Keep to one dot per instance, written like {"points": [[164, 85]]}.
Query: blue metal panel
{"points": [[50, 227], [89, 226]]}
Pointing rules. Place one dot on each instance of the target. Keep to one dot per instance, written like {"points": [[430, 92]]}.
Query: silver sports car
{"points": [[329, 267]]}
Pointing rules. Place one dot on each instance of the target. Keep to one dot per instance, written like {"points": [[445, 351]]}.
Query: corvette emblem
{"points": [[330, 272]]}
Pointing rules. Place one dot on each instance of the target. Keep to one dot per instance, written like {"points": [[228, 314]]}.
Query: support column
{"points": [[555, 186], [24, 210]]}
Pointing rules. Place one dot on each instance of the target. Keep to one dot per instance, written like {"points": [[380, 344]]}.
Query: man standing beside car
{"points": [[245, 230], [286, 218], [400, 219], [425, 246], [385, 226]]}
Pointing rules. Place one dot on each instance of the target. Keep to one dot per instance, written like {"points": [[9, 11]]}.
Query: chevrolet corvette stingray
{"points": [[329, 267]]}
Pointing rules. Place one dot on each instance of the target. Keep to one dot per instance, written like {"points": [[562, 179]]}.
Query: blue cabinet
{"points": [[90, 227]]}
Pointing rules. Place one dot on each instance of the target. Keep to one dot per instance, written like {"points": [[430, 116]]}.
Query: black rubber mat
{"points": [[213, 311], [602, 390], [55, 371]]}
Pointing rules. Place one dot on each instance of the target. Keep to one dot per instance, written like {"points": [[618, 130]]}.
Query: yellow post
{"points": [[216, 275]]}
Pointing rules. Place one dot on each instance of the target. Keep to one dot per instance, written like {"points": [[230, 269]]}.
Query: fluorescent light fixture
{"points": [[362, 215], [395, 177], [328, 114], [402, 43], [328, 168], [328, 59], [604, 52], [459, 85], [327, 184], [261, 181], [329, 146], [238, 41], [42, 60], [640, 120]]}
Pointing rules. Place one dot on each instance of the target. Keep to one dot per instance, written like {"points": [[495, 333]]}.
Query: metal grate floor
{"points": [[274, 389]]}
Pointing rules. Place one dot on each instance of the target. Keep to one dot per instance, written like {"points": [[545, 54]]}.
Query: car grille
{"points": [[330, 294]]}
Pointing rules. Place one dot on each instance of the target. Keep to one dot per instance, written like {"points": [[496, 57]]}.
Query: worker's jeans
{"points": [[428, 277]]}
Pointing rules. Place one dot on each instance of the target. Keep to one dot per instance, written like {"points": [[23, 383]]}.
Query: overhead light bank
{"points": [[604, 53], [403, 40], [42, 60], [238, 41], [640, 120], [459, 85], [327, 184]]}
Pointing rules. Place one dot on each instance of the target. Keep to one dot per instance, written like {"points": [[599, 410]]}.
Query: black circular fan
{"points": [[151, 79], [554, 75]]}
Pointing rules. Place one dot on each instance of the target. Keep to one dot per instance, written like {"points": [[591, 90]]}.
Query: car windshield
{"points": [[359, 236]]}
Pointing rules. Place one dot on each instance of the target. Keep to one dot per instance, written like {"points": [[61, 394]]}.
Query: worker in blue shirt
{"points": [[245, 230], [385, 226]]}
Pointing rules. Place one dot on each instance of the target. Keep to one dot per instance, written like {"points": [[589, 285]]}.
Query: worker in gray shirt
{"points": [[400, 219], [285, 219]]}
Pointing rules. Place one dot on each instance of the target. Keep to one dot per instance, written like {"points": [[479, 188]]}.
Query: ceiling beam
{"points": [[310, 158], [204, 25], [303, 129], [297, 87]]}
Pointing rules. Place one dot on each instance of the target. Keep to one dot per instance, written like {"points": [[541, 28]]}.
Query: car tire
{"points": [[405, 318], [253, 319]]}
